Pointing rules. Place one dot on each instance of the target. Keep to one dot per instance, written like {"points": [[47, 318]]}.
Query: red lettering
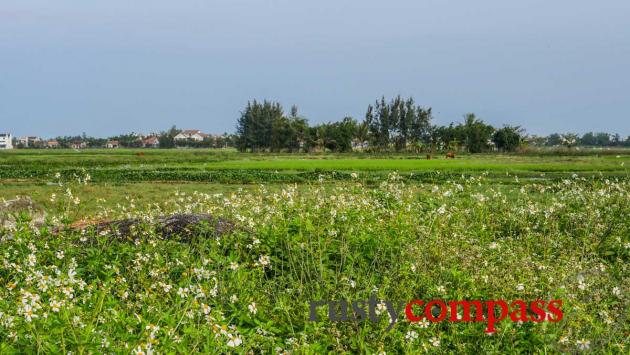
{"points": [[466, 312], [409, 311], [538, 311], [521, 313], [555, 310], [443, 310], [491, 316]]}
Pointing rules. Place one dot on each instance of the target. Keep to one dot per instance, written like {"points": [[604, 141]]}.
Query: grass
{"points": [[469, 229], [228, 159], [493, 163], [229, 167]]}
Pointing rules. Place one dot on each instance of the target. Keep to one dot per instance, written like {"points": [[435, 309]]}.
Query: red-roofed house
{"points": [[52, 144], [151, 142]]}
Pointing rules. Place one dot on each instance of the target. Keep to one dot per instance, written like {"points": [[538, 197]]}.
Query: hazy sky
{"points": [[107, 67]]}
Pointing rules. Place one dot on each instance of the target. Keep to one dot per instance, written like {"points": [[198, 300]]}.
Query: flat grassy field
{"points": [[216, 159], [231, 167], [350, 227], [153, 174]]}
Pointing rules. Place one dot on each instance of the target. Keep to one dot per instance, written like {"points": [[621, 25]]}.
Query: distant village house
{"points": [[6, 141], [151, 142], [358, 145], [52, 144], [78, 145], [112, 144], [192, 134], [29, 141]]}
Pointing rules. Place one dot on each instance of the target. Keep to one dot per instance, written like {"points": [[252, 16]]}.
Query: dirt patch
{"points": [[10, 210]]}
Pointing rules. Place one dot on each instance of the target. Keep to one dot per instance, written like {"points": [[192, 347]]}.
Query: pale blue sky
{"points": [[107, 67]]}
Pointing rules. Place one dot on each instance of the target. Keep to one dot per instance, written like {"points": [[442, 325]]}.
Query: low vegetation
{"points": [[229, 167], [84, 290]]}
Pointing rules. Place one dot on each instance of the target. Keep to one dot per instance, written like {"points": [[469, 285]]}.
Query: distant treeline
{"points": [[395, 125]]}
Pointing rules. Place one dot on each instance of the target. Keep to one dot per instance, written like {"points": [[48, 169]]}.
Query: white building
{"points": [[359, 145], [29, 141], [112, 144], [191, 134], [6, 141]]}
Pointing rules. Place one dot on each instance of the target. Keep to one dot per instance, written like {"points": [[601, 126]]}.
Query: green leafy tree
{"points": [[262, 126], [398, 122], [477, 134], [554, 139], [167, 138], [451, 136], [130, 140], [508, 138]]}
